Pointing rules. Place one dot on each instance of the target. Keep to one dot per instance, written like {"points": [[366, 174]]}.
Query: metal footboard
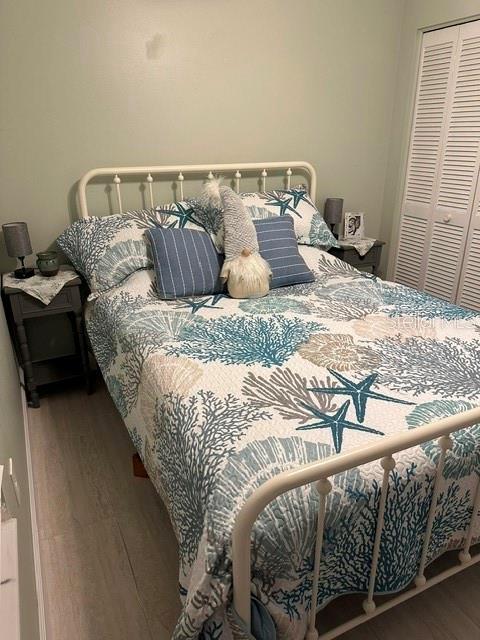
{"points": [[319, 473]]}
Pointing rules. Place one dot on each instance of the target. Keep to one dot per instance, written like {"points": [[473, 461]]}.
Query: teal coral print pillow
{"points": [[107, 250], [310, 227]]}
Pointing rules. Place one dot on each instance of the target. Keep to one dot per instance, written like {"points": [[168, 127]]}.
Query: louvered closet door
{"points": [[429, 124], [459, 164], [469, 288]]}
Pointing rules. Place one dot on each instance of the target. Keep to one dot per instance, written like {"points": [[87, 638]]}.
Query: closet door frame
{"points": [[459, 162], [418, 210]]}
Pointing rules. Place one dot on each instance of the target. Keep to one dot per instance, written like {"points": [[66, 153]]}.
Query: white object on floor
{"points": [[44, 288], [9, 594]]}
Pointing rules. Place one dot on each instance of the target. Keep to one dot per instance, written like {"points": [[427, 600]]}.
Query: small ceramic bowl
{"points": [[47, 263]]}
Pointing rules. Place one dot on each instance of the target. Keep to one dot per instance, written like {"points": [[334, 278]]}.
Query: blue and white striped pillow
{"points": [[277, 242], [186, 262]]}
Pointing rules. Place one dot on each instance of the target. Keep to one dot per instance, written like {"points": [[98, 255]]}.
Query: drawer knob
{"points": [[447, 218]]}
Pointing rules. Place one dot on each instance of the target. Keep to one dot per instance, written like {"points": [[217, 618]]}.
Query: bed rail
{"points": [[180, 172], [319, 473]]}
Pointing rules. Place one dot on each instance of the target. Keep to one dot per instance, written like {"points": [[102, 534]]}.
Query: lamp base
{"points": [[24, 272], [332, 227]]}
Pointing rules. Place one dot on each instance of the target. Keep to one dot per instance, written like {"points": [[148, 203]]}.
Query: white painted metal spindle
{"points": [[150, 188], [324, 487], [117, 182], [181, 179], [264, 179], [465, 555], [289, 177], [445, 443], [238, 175], [388, 464]]}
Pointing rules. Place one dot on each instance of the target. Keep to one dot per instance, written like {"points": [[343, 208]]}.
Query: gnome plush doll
{"points": [[246, 273]]}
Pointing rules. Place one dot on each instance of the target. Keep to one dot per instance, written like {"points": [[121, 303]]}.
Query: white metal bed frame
{"points": [[317, 472], [197, 170]]}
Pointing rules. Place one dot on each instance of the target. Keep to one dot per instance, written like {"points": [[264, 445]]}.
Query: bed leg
{"points": [[139, 470]]}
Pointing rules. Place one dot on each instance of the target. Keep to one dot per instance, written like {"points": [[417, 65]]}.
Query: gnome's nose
{"points": [[246, 252]]}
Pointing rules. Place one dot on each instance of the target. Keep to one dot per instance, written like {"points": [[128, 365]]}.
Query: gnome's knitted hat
{"points": [[240, 232]]}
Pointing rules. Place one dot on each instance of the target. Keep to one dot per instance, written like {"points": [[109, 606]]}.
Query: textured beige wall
{"points": [[419, 15], [12, 444], [86, 84]]}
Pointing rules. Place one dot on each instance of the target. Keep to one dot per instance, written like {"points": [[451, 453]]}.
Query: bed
{"points": [[317, 442]]}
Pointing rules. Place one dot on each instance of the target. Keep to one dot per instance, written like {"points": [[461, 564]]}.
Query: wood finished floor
{"points": [[109, 555]]}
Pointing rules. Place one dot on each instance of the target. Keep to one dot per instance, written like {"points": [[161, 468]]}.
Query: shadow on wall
{"points": [[154, 47], [72, 205]]}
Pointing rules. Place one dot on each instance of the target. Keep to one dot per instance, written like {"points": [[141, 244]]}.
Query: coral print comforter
{"points": [[219, 395]]}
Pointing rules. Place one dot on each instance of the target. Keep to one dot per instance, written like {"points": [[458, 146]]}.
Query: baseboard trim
{"points": [[33, 514]]}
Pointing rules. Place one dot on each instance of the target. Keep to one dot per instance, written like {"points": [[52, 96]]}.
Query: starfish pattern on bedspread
{"points": [[337, 423], [196, 304], [360, 392]]}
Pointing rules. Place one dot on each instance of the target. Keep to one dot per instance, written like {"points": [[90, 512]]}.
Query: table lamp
{"points": [[333, 212], [18, 246]]}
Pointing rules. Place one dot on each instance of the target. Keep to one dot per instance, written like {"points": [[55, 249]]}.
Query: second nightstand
{"points": [[370, 260], [47, 368]]}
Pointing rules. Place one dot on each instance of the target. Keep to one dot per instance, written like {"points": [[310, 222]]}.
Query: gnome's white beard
{"points": [[247, 276]]}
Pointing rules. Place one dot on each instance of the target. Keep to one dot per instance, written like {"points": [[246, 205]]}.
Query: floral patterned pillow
{"points": [[107, 250], [310, 227]]}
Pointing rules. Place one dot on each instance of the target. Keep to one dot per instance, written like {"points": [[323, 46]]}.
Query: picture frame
{"points": [[353, 225]]}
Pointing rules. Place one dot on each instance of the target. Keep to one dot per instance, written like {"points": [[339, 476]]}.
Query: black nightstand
{"points": [[370, 260], [22, 311]]}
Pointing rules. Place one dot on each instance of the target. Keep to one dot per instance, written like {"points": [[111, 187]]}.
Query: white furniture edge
{"points": [[9, 590], [1, 478], [181, 171], [317, 472], [33, 515]]}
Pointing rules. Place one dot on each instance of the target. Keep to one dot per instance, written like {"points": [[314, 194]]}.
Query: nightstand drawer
{"points": [[32, 305]]}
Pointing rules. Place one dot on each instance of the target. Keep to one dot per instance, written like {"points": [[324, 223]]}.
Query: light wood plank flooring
{"points": [[109, 555]]}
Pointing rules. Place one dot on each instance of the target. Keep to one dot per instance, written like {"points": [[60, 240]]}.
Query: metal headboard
{"points": [[180, 172]]}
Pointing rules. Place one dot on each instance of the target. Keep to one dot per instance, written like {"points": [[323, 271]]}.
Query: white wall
{"points": [[86, 84]]}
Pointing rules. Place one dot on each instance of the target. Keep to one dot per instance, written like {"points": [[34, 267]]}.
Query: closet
{"points": [[439, 240]]}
